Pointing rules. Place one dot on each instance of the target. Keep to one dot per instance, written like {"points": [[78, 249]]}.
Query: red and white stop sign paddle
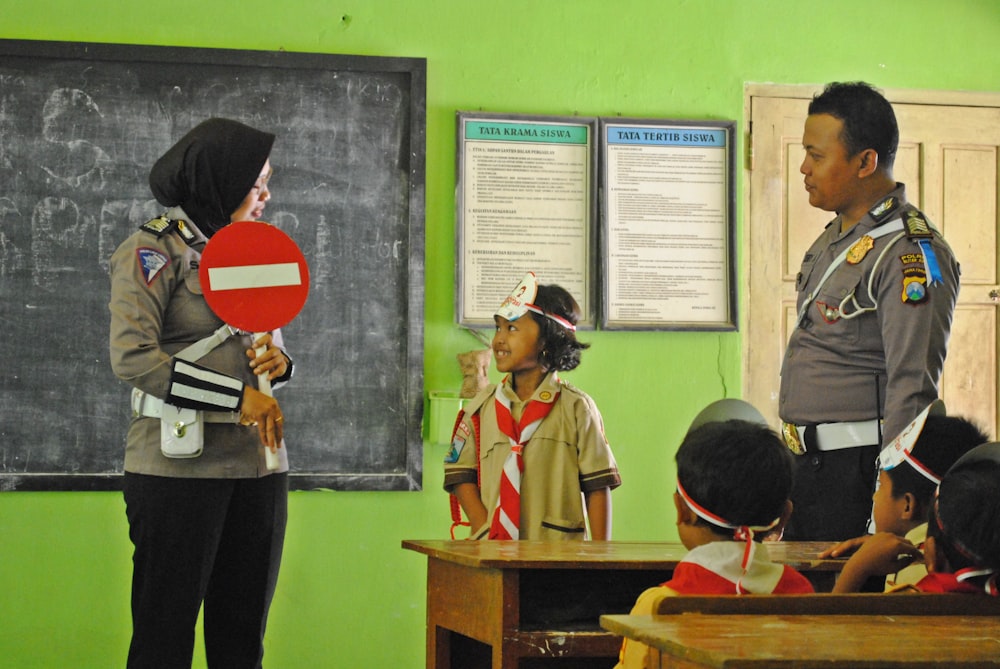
{"points": [[254, 278]]}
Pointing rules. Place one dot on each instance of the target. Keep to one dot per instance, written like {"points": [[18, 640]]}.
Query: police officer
{"points": [[876, 294], [206, 516]]}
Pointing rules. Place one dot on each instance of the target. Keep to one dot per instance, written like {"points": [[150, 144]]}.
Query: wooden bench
{"points": [[830, 604]]}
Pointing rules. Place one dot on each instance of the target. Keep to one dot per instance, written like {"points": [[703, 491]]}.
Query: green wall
{"points": [[348, 595]]}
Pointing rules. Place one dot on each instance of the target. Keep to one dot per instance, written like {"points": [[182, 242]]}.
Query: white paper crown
{"points": [[521, 300], [900, 449]]}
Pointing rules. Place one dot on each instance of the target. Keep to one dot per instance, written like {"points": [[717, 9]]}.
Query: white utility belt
{"points": [[152, 407], [833, 436]]}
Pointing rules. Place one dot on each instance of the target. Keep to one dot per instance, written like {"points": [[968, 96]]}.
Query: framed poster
{"points": [[525, 201], [668, 225]]}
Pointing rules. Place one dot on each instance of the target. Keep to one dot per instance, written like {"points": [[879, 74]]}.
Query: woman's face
{"points": [[252, 207]]}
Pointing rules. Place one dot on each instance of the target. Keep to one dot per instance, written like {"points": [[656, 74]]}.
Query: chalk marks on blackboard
{"points": [[80, 124]]}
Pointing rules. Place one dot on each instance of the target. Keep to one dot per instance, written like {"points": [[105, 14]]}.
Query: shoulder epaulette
{"points": [[884, 209], [159, 226], [473, 405], [162, 226], [916, 225]]}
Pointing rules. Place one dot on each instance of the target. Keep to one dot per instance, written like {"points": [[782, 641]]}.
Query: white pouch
{"points": [[181, 432]]}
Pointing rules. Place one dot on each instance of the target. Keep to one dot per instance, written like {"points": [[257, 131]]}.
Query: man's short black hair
{"points": [[868, 118], [738, 470]]}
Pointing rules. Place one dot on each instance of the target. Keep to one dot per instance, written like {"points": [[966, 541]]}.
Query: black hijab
{"points": [[211, 170]]}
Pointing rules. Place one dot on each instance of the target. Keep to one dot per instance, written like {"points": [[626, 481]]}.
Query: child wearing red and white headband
{"points": [[734, 477], [525, 449], [910, 469], [963, 531]]}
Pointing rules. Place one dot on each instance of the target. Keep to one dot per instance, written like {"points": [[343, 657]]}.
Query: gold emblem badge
{"points": [[883, 207], [792, 440], [545, 396], [860, 249]]}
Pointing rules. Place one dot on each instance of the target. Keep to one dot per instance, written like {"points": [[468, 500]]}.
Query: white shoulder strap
{"points": [[881, 231], [200, 348]]}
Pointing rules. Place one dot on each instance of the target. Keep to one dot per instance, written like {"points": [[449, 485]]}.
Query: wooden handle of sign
{"points": [[264, 385]]}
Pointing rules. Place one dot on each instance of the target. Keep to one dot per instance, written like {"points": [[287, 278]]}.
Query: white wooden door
{"points": [[948, 157]]}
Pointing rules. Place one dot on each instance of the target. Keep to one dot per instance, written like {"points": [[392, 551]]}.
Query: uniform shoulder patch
{"points": [[186, 233], [151, 262], [159, 226], [916, 225], [883, 209]]}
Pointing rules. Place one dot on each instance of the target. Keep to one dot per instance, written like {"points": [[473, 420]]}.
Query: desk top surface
{"points": [[600, 554], [756, 641]]}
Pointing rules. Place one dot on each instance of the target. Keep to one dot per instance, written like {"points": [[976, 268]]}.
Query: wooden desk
{"points": [[492, 603], [697, 640]]}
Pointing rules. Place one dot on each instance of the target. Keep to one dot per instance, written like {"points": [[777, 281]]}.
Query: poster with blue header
{"points": [[668, 229]]}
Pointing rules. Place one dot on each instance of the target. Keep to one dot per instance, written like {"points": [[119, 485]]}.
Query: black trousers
{"points": [[211, 541], [832, 494]]}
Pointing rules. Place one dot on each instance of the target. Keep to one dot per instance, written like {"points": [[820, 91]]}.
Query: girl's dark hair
{"points": [[966, 519], [868, 118], [738, 470], [561, 349]]}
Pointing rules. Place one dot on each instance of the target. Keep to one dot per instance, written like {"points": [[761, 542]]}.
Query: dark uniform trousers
{"points": [[181, 528], [846, 476]]}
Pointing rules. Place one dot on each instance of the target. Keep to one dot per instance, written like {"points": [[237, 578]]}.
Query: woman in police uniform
{"points": [[206, 516]]}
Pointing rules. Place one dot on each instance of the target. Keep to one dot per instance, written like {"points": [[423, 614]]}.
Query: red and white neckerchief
{"points": [[990, 585], [506, 522], [740, 532]]}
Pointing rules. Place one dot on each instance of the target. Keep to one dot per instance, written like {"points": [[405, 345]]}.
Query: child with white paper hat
{"points": [[910, 469], [529, 458]]}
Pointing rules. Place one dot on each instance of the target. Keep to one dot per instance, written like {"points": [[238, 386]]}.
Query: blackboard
{"points": [[80, 126]]}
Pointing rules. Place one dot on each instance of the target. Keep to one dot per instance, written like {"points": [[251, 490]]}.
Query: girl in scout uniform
{"points": [[529, 459], [206, 515]]}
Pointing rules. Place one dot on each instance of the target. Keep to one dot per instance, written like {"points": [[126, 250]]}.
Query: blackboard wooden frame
{"points": [[366, 303]]}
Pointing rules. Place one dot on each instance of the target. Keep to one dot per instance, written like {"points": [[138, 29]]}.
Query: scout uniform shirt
{"points": [[568, 454], [834, 356]]}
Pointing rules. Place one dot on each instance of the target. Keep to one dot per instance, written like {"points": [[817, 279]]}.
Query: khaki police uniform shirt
{"points": [[567, 455], [831, 364], [152, 320]]}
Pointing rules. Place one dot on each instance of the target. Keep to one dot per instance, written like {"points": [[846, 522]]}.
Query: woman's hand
{"points": [[263, 411], [271, 362]]}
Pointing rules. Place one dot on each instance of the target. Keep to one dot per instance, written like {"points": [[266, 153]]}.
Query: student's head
{"points": [[964, 526], [536, 325], [909, 473], [733, 472], [217, 173], [868, 121]]}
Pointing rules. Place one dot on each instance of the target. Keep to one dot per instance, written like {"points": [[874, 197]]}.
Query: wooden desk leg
{"points": [[473, 602]]}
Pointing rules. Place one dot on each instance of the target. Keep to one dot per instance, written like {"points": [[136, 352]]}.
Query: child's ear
{"points": [[786, 515], [934, 558], [908, 508], [685, 516]]}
